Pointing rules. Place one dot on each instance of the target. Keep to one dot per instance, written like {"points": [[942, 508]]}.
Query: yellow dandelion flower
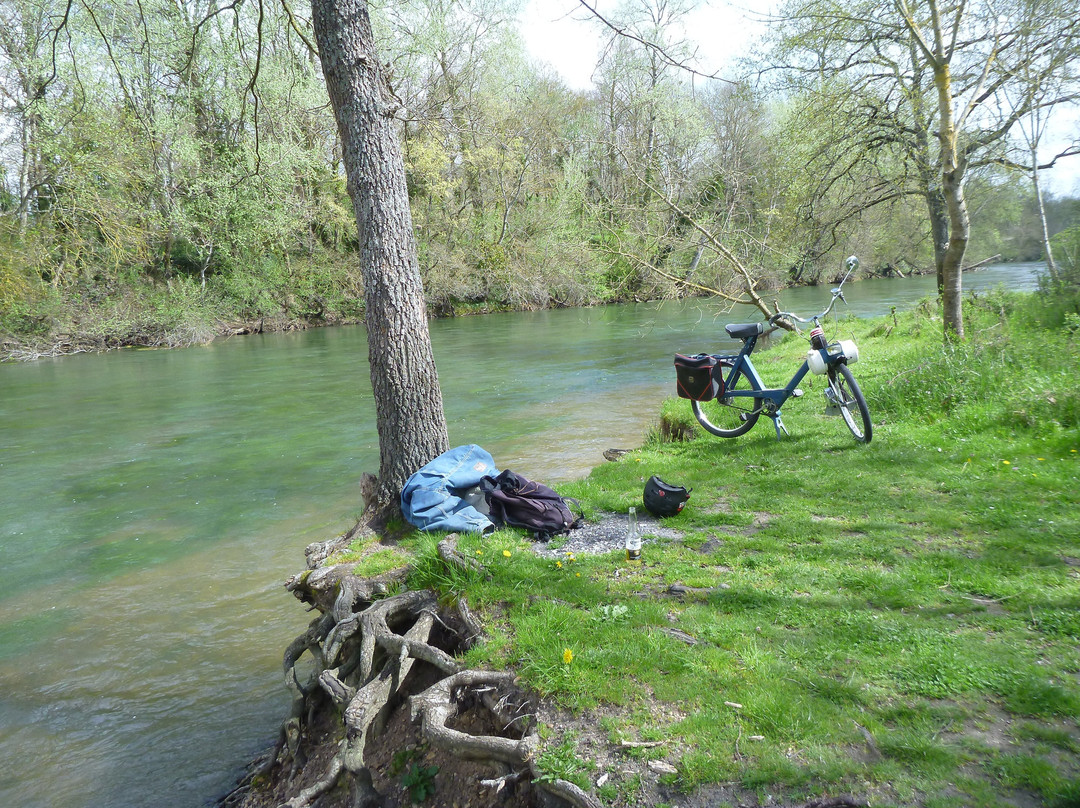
{"points": [[479, 552], [1040, 458], [506, 553], [567, 656], [558, 564], [1006, 462], [578, 574], [1073, 451]]}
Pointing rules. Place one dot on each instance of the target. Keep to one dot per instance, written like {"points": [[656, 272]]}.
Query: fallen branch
{"points": [[980, 264]]}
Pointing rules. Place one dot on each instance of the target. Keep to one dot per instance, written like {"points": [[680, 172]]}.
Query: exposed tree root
{"points": [[368, 653]]}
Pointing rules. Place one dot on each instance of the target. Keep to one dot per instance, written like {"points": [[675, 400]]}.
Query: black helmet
{"points": [[661, 499]]}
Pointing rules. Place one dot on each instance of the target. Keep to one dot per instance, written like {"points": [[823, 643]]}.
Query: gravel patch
{"points": [[594, 538]]}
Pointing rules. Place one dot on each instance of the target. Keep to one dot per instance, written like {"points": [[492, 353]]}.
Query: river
{"points": [[152, 503]]}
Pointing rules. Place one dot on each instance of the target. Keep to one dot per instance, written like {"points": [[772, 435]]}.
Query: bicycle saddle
{"points": [[744, 330]]}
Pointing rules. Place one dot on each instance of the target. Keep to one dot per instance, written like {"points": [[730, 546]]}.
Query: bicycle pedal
{"points": [[798, 391]]}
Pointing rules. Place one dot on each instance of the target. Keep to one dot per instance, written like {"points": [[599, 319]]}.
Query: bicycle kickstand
{"points": [[778, 422]]}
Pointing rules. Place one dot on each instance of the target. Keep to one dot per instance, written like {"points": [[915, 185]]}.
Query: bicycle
{"points": [[728, 395]]}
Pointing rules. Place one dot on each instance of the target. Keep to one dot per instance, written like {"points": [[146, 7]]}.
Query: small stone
{"points": [[662, 767]]}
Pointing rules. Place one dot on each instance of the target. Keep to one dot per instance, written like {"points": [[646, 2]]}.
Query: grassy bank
{"points": [[898, 621], [130, 310]]}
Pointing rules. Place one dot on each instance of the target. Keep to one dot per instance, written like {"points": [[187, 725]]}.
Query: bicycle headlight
{"points": [[816, 362], [845, 350], [849, 350]]}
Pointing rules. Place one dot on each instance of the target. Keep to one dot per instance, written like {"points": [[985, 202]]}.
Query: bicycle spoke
{"points": [[729, 416]]}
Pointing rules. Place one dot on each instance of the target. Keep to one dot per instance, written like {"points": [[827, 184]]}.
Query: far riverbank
{"points": [[153, 322]]}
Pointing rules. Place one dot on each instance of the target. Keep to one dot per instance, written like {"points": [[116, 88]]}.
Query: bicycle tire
{"points": [[847, 397], [728, 417]]}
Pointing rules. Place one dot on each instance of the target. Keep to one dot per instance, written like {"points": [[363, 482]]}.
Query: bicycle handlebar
{"points": [[852, 263]]}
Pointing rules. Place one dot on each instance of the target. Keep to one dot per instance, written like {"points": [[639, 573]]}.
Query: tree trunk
{"points": [[952, 187], [1048, 253], [959, 227], [929, 178], [939, 231], [404, 381]]}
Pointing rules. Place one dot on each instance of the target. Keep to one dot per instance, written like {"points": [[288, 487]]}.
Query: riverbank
{"points": [[826, 623], [182, 314], [140, 331]]}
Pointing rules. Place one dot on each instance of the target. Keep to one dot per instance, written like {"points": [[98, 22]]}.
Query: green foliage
{"points": [[400, 759], [420, 781], [1066, 248], [1004, 219], [430, 572], [371, 557], [562, 761], [15, 287]]}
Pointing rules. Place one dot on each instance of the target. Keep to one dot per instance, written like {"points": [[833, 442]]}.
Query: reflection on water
{"points": [[153, 502]]}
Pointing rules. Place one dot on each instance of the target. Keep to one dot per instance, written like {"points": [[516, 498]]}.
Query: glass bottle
{"points": [[633, 537]]}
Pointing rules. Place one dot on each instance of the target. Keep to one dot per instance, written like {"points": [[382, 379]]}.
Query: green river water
{"points": [[152, 503]]}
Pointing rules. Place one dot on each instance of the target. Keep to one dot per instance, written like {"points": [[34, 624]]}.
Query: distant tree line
{"points": [[159, 158]]}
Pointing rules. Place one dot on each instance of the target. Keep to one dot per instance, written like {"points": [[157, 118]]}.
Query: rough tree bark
{"points": [[404, 381]]}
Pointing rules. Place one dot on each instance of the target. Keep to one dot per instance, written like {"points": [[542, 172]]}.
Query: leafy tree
{"points": [[927, 74]]}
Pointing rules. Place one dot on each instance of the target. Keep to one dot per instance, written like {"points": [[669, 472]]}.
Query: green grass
{"points": [[898, 620]]}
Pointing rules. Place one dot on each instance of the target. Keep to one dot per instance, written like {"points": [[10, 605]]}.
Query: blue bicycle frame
{"points": [[773, 397]]}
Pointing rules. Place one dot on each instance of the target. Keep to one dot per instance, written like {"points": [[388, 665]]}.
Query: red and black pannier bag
{"points": [[695, 379]]}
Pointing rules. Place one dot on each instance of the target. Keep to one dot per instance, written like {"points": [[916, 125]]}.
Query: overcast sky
{"points": [[562, 34], [566, 36]]}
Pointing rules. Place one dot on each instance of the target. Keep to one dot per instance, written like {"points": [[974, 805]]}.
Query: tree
{"points": [[1040, 91], [653, 132], [930, 73], [404, 381]]}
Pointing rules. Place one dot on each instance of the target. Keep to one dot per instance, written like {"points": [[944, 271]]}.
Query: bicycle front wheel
{"points": [[845, 394], [729, 416]]}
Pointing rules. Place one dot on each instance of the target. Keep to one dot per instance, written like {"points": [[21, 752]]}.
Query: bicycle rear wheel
{"points": [[729, 417], [845, 394]]}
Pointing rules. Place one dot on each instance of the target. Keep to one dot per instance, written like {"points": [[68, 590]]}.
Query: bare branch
{"points": [[296, 27], [665, 57], [56, 36]]}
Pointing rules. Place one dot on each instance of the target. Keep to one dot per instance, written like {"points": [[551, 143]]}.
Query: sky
{"points": [[562, 34]]}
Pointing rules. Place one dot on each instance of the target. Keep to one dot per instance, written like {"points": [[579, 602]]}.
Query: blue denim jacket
{"points": [[431, 498]]}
